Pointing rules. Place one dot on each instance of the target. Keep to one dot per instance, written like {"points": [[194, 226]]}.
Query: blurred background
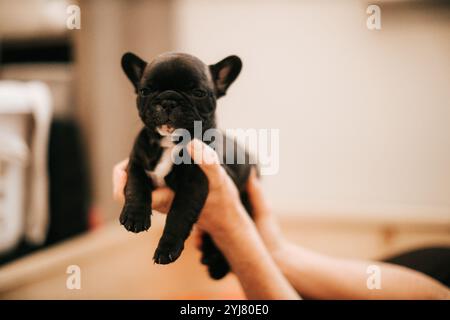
{"points": [[364, 120]]}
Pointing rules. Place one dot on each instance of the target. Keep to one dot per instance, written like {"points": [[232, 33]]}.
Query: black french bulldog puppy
{"points": [[173, 91]]}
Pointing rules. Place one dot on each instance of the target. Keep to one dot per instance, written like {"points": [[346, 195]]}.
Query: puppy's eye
{"points": [[145, 91], [199, 93]]}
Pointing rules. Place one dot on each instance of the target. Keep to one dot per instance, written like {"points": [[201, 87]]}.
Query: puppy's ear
{"points": [[133, 66], [224, 73]]}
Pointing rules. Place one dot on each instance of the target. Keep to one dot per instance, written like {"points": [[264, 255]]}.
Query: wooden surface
{"points": [[116, 264]]}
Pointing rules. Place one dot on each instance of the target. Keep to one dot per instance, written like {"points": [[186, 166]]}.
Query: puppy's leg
{"points": [[212, 257], [136, 212], [190, 196]]}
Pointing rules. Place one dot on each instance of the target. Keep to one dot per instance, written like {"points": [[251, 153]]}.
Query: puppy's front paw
{"points": [[135, 218], [168, 250]]}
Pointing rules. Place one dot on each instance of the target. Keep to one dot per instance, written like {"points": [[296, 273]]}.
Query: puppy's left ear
{"points": [[133, 66], [224, 73]]}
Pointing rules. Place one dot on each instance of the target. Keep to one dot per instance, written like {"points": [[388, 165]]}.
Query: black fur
{"points": [[175, 90]]}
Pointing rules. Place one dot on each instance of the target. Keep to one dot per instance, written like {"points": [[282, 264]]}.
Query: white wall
{"points": [[364, 115]]}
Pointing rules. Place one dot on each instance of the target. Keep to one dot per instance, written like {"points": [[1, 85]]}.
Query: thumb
{"points": [[206, 158]]}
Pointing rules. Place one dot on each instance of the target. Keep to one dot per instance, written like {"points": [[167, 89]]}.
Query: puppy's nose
{"points": [[169, 104]]}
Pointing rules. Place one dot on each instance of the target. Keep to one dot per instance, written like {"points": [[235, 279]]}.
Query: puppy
{"points": [[174, 91]]}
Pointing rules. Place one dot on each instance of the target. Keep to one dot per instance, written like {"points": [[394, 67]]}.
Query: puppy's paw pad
{"points": [[168, 252], [135, 219]]}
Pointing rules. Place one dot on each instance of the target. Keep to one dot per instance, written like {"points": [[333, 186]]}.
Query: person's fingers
{"points": [[162, 199], [207, 159], [256, 196], [119, 180]]}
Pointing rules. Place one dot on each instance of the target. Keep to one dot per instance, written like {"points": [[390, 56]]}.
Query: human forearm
{"points": [[323, 277], [318, 276], [251, 262]]}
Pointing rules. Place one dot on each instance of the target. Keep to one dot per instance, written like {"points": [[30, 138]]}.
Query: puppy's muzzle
{"points": [[170, 95], [168, 105], [169, 100]]}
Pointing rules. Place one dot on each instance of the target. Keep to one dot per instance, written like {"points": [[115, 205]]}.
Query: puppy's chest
{"points": [[164, 165]]}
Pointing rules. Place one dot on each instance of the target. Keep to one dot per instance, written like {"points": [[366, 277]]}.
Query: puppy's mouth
{"points": [[165, 129]]}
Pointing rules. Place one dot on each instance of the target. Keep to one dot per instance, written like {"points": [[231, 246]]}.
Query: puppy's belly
{"points": [[162, 169]]}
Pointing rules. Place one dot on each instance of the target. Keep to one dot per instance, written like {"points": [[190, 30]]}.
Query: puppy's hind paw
{"points": [[135, 219], [217, 265]]}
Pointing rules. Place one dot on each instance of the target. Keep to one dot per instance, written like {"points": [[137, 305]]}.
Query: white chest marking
{"points": [[164, 165]]}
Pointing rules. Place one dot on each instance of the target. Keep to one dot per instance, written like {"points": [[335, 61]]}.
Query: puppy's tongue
{"points": [[165, 129]]}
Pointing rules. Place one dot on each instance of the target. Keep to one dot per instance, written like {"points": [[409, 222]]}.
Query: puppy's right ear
{"points": [[133, 66]]}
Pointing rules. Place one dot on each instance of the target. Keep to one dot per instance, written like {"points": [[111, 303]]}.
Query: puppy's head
{"points": [[176, 89]]}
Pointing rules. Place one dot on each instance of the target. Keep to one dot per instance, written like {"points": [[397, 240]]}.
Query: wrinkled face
{"points": [[175, 89], [174, 92]]}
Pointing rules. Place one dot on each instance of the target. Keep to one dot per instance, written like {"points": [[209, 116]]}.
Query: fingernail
{"points": [[195, 150], [202, 153]]}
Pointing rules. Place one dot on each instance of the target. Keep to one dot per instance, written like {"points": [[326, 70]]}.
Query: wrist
{"points": [[235, 224], [282, 250], [272, 236]]}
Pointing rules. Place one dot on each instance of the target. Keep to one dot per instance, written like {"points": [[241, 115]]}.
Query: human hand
{"points": [[225, 219], [223, 196]]}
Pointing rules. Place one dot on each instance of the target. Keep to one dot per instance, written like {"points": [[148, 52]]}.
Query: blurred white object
{"points": [[13, 157], [57, 76], [27, 199]]}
